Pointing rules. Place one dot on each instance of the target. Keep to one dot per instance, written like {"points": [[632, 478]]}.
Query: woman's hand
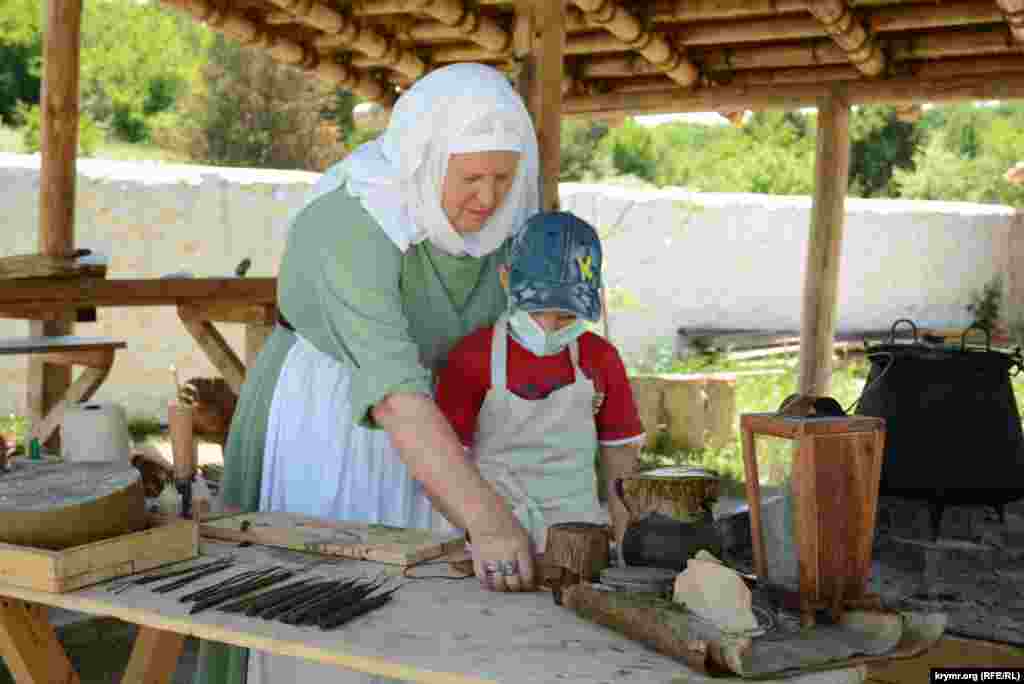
{"points": [[503, 558]]}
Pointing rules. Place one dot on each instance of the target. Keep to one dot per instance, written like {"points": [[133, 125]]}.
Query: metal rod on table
{"points": [[234, 592], [352, 612]]}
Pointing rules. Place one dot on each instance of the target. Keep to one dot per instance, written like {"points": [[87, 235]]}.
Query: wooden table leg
{"points": [[154, 657], [753, 489], [97, 368], [30, 647], [215, 347]]}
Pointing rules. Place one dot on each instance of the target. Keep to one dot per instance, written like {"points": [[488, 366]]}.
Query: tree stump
{"points": [[575, 552]]}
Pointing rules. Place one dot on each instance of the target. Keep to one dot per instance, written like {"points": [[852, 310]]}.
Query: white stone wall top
{"points": [[732, 200], [163, 173]]}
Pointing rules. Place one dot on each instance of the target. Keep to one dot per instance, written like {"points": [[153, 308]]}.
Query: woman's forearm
{"points": [[429, 447]]}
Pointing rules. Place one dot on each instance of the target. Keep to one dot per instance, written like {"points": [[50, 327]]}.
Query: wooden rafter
{"points": [[941, 85], [473, 25], [246, 31], [340, 30], [849, 33], [654, 46], [1013, 11]]}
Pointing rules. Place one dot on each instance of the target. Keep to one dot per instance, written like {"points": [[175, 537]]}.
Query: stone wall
{"points": [[674, 258]]}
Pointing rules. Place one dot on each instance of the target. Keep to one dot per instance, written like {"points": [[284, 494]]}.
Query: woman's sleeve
{"points": [[353, 279]]}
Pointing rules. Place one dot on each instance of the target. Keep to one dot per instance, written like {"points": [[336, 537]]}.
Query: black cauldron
{"points": [[953, 431]]}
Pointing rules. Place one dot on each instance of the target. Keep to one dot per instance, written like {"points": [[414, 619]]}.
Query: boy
{"points": [[535, 396]]}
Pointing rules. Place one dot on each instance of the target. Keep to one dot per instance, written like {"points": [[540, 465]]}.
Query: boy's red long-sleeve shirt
{"points": [[466, 378]]}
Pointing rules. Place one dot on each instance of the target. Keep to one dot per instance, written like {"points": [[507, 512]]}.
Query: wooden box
{"points": [[835, 472], [79, 566]]}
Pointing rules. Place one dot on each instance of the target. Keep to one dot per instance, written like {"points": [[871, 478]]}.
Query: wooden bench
{"points": [[95, 353]]}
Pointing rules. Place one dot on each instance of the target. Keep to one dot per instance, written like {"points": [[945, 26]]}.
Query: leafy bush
{"points": [[89, 133]]}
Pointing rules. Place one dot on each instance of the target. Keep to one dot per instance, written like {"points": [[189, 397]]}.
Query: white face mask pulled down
{"points": [[539, 341]]}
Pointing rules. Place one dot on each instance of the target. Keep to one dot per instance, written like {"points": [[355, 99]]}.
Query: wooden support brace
{"points": [[154, 657], [849, 33], [80, 390], [220, 312], [30, 647], [217, 350], [651, 44]]}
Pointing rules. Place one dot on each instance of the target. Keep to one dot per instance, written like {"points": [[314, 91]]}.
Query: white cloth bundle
{"points": [[95, 432]]}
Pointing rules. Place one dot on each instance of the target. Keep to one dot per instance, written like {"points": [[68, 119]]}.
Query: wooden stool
{"points": [[837, 463], [95, 353]]}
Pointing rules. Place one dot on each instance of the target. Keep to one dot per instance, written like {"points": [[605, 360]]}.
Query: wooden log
{"points": [[897, 90], [910, 17], [477, 27], [53, 505], [648, 619], [1013, 11], [685, 407], [821, 281], [239, 26], [576, 552], [48, 266], [349, 32], [721, 412], [654, 46], [647, 392], [849, 33]]}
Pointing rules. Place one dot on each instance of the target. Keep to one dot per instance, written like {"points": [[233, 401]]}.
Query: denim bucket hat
{"points": [[555, 264]]}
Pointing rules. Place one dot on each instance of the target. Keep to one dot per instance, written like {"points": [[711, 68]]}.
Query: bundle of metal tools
{"points": [[267, 593]]}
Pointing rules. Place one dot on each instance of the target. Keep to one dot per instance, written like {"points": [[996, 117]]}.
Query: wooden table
{"points": [[201, 303], [435, 631]]}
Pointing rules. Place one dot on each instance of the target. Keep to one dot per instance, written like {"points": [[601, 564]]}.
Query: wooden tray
{"points": [[77, 567], [380, 543]]}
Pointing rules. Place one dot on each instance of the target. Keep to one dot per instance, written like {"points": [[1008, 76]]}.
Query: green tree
{"points": [[879, 143], [579, 140], [20, 51], [630, 150], [248, 110]]}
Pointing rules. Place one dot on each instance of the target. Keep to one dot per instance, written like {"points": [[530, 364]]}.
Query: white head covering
{"points": [[399, 176]]}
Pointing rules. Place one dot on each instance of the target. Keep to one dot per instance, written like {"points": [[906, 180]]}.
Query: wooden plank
{"points": [[378, 543], [154, 657], [139, 292], [821, 276], [71, 569], [63, 343], [950, 651], [218, 351], [48, 266], [753, 488], [435, 631], [785, 426]]}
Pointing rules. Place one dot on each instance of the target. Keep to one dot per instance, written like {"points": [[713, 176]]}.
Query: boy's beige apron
{"points": [[539, 454]]}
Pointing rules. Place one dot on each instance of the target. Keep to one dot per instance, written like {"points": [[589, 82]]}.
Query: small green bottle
{"points": [[34, 450]]}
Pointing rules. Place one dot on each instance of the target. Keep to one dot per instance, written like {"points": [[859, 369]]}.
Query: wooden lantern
{"points": [[836, 466]]}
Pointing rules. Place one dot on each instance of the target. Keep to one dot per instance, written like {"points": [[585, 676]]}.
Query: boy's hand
{"points": [[502, 557]]}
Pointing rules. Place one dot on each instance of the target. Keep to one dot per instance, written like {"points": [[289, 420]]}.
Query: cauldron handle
{"points": [[975, 326], [892, 330]]}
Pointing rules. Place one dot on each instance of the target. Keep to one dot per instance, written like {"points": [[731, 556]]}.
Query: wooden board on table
{"points": [[80, 566], [42, 266], [380, 543]]}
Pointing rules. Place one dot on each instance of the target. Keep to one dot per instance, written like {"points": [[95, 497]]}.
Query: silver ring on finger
{"points": [[508, 568], [491, 568]]}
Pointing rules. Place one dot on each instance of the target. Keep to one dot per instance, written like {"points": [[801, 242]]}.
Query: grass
{"points": [[10, 142], [756, 394]]}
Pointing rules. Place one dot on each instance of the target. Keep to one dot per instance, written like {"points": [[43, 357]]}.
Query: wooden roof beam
{"points": [[238, 26], [945, 86], [1013, 11], [351, 33], [654, 46], [849, 33]]}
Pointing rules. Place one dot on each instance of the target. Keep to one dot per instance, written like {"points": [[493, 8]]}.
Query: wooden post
{"points": [[59, 118], [539, 42], [821, 276]]}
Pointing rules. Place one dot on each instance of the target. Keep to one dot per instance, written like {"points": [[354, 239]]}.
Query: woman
{"points": [[391, 262]]}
